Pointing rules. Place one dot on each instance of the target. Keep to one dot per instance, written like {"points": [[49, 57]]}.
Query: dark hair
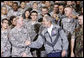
{"points": [[58, 7], [45, 7], [70, 6], [15, 3], [4, 20], [48, 14], [12, 17], [33, 12], [56, 4], [62, 4], [63, 8], [23, 15]]}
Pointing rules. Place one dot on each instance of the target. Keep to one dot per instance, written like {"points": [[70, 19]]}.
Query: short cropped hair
{"points": [[45, 7], [4, 20], [33, 12]]}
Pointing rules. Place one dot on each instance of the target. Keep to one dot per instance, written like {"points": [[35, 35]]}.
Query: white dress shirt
{"points": [[50, 29]]}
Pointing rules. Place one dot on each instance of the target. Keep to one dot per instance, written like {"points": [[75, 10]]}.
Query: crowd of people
{"points": [[41, 28]]}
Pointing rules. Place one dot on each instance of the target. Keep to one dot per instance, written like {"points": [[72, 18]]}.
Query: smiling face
{"points": [[27, 14], [4, 10]]}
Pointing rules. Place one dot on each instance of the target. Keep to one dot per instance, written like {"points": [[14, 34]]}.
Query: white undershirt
{"points": [[50, 29]]}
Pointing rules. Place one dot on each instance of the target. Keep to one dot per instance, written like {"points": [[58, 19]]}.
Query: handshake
{"points": [[27, 42]]}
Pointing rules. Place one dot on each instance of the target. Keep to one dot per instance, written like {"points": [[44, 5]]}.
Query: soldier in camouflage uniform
{"points": [[31, 25], [69, 24], [33, 29], [14, 11], [26, 17], [5, 44], [19, 38], [61, 14], [4, 12], [79, 38], [22, 8], [79, 43]]}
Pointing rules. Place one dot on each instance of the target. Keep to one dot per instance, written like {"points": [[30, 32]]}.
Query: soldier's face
{"points": [[5, 24], [20, 21], [34, 16], [69, 3], [47, 3], [56, 8], [27, 14], [80, 19], [68, 11], [14, 21], [45, 22], [35, 5], [23, 5], [10, 3], [61, 9], [4, 10], [44, 11], [15, 7], [6, 2]]}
